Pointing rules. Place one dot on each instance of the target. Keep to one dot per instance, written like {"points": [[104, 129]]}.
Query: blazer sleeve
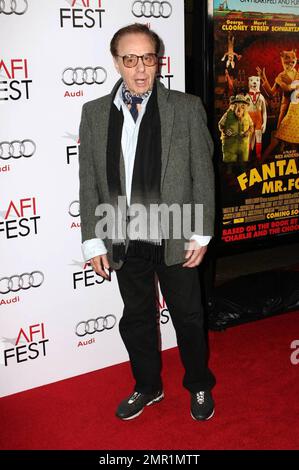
{"points": [[202, 171], [88, 193]]}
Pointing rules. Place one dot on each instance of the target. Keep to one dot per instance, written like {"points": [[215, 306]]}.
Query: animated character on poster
{"points": [[236, 128], [258, 112], [288, 130], [230, 53], [286, 83]]}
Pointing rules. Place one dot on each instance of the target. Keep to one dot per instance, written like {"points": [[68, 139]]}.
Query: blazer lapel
{"points": [[166, 110]]}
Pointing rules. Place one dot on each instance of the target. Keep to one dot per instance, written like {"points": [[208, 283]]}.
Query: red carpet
{"points": [[256, 395]]}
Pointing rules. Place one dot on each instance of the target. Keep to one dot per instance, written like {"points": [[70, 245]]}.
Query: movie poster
{"points": [[256, 52]]}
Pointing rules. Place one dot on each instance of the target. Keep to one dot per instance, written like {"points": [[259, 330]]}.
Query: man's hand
{"points": [[101, 266], [194, 254]]}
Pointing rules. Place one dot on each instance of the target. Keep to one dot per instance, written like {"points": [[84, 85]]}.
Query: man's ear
{"points": [[115, 61]]}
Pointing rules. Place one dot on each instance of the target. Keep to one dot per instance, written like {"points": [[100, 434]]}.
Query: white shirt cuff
{"points": [[202, 240], [93, 247]]}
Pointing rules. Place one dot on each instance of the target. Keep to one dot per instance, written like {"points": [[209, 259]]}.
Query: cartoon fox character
{"points": [[283, 80], [286, 81]]}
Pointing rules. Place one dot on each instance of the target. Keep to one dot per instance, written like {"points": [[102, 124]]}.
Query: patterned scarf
{"points": [[132, 99]]}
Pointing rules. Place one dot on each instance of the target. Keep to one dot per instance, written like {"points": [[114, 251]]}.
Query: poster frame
{"points": [[219, 247]]}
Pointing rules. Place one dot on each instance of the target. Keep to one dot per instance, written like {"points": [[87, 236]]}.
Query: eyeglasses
{"points": [[131, 60]]}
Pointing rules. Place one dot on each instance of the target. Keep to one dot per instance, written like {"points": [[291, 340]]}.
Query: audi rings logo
{"points": [[95, 325], [17, 149], [152, 9], [21, 281], [18, 7], [84, 76], [74, 209]]}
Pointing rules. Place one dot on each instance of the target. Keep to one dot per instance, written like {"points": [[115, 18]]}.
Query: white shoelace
{"points": [[133, 397], [200, 397]]}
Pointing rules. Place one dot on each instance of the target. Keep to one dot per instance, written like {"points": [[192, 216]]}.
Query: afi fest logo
{"points": [[14, 79], [164, 70], [82, 14], [20, 219], [72, 151], [29, 345], [86, 276]]}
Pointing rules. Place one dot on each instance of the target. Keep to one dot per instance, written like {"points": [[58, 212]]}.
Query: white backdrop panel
{"points": [[45, 288]]}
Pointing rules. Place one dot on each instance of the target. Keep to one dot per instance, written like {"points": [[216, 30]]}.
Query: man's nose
{"points": [[140, 65]]}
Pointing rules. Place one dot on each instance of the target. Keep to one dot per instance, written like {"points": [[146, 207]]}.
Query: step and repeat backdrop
{"points": [[58, 318]]}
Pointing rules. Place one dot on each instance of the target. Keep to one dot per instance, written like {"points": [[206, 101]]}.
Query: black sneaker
{"points": [[134, 405], [202, 405]]}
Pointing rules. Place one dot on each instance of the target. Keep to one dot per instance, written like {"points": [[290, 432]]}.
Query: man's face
{"points": [[140, 78]]}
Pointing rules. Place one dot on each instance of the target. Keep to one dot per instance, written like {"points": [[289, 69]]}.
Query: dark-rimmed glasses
{"points": [[131, 60]]}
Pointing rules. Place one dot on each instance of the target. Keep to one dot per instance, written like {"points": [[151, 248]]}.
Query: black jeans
{"points": [[139, 328]]}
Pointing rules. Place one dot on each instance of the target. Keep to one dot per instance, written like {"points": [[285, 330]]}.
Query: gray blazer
{"points": [[187, 172]]}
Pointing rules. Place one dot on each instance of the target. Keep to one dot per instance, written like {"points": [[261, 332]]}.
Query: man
{"points": [[152, 146]]}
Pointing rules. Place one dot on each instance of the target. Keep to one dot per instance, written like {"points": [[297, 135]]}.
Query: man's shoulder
{"points": [[182, 98], [98, 103]]}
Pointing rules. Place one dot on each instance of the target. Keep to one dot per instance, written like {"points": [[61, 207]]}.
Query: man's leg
{"points": [[138, 326], [181, 290]]}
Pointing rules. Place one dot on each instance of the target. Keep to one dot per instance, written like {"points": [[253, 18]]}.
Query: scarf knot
{"points": [[132, 99]]}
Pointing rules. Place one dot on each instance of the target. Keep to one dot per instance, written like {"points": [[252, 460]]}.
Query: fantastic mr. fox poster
{"points": [[256, 51]]}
